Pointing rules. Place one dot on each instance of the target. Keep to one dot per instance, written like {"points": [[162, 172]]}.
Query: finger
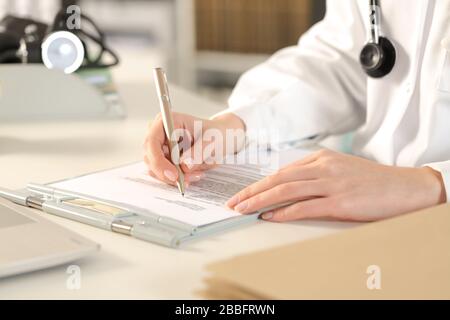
{"points": [[309, 209], [193, 177], [200, 157], [283, 193], [146, 160], [159, 177], [306, 160], [165, 176], [166, 151], [157, 161], [307, 172], [188, 178], [198, 168], [153, 175]]}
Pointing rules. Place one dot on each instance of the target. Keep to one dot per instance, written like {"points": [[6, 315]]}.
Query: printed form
{"points": [[204, 201]]}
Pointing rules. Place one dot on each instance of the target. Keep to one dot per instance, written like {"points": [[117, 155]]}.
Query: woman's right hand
{"points": [[199, 145]]}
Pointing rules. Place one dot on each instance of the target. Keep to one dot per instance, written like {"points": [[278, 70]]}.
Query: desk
{"points": [[125, 267]]}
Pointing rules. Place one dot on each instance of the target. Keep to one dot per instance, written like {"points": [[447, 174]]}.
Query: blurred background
{"points": [[205, 45]]}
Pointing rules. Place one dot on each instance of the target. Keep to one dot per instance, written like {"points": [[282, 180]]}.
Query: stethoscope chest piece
{"points": [[378, 55], [378, 59]]}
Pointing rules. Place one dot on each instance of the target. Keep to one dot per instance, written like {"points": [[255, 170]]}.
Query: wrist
{"points": [[229, 121], [233, 130], [436, 185]]}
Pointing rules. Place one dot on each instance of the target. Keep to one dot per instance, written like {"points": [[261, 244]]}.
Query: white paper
{"points": [[203, 202]]}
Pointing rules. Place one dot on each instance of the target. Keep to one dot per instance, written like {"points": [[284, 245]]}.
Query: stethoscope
{"points": [[378, 56]]}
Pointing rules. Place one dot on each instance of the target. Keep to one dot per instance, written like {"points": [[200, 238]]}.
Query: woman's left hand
{"points": [[327, 184]]}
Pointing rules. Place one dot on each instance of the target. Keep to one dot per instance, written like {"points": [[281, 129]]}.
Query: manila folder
{"points": [[407, 257]]}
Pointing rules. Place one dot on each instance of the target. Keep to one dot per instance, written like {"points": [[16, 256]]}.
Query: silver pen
{"points": [[166, 106]]}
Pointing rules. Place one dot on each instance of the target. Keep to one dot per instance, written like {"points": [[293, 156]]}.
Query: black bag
{"points": [[15, 30], [21, 40]]}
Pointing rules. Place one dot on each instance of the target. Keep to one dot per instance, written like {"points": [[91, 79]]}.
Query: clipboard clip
{"points": [[115, 210]]}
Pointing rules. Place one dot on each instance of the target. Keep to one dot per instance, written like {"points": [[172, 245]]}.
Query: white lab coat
{"points": [[319, 88]]}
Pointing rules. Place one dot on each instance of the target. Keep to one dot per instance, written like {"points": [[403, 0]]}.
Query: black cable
{"points": [[60, 23], [9, 56]]}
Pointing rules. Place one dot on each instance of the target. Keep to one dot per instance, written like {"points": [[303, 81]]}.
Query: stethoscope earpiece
{"points": [[378, 59]]}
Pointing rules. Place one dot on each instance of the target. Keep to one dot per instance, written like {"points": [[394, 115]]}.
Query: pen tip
{"points": [[182, 194]]}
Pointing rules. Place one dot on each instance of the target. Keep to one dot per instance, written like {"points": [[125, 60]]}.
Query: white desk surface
{"points": [[125, 268]]}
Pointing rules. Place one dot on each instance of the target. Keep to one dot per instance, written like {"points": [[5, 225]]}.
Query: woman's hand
{"points": [[199, 145], [327, 184]]}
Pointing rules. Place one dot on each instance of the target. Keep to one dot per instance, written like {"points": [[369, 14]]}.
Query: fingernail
{"points": [[241, 206], [233, 201], [170, 175], [189, 163], [195, 177], [267, 215]]}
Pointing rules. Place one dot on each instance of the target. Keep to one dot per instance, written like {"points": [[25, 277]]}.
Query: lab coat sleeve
{"points": [[314, 88], [444, 169]]}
